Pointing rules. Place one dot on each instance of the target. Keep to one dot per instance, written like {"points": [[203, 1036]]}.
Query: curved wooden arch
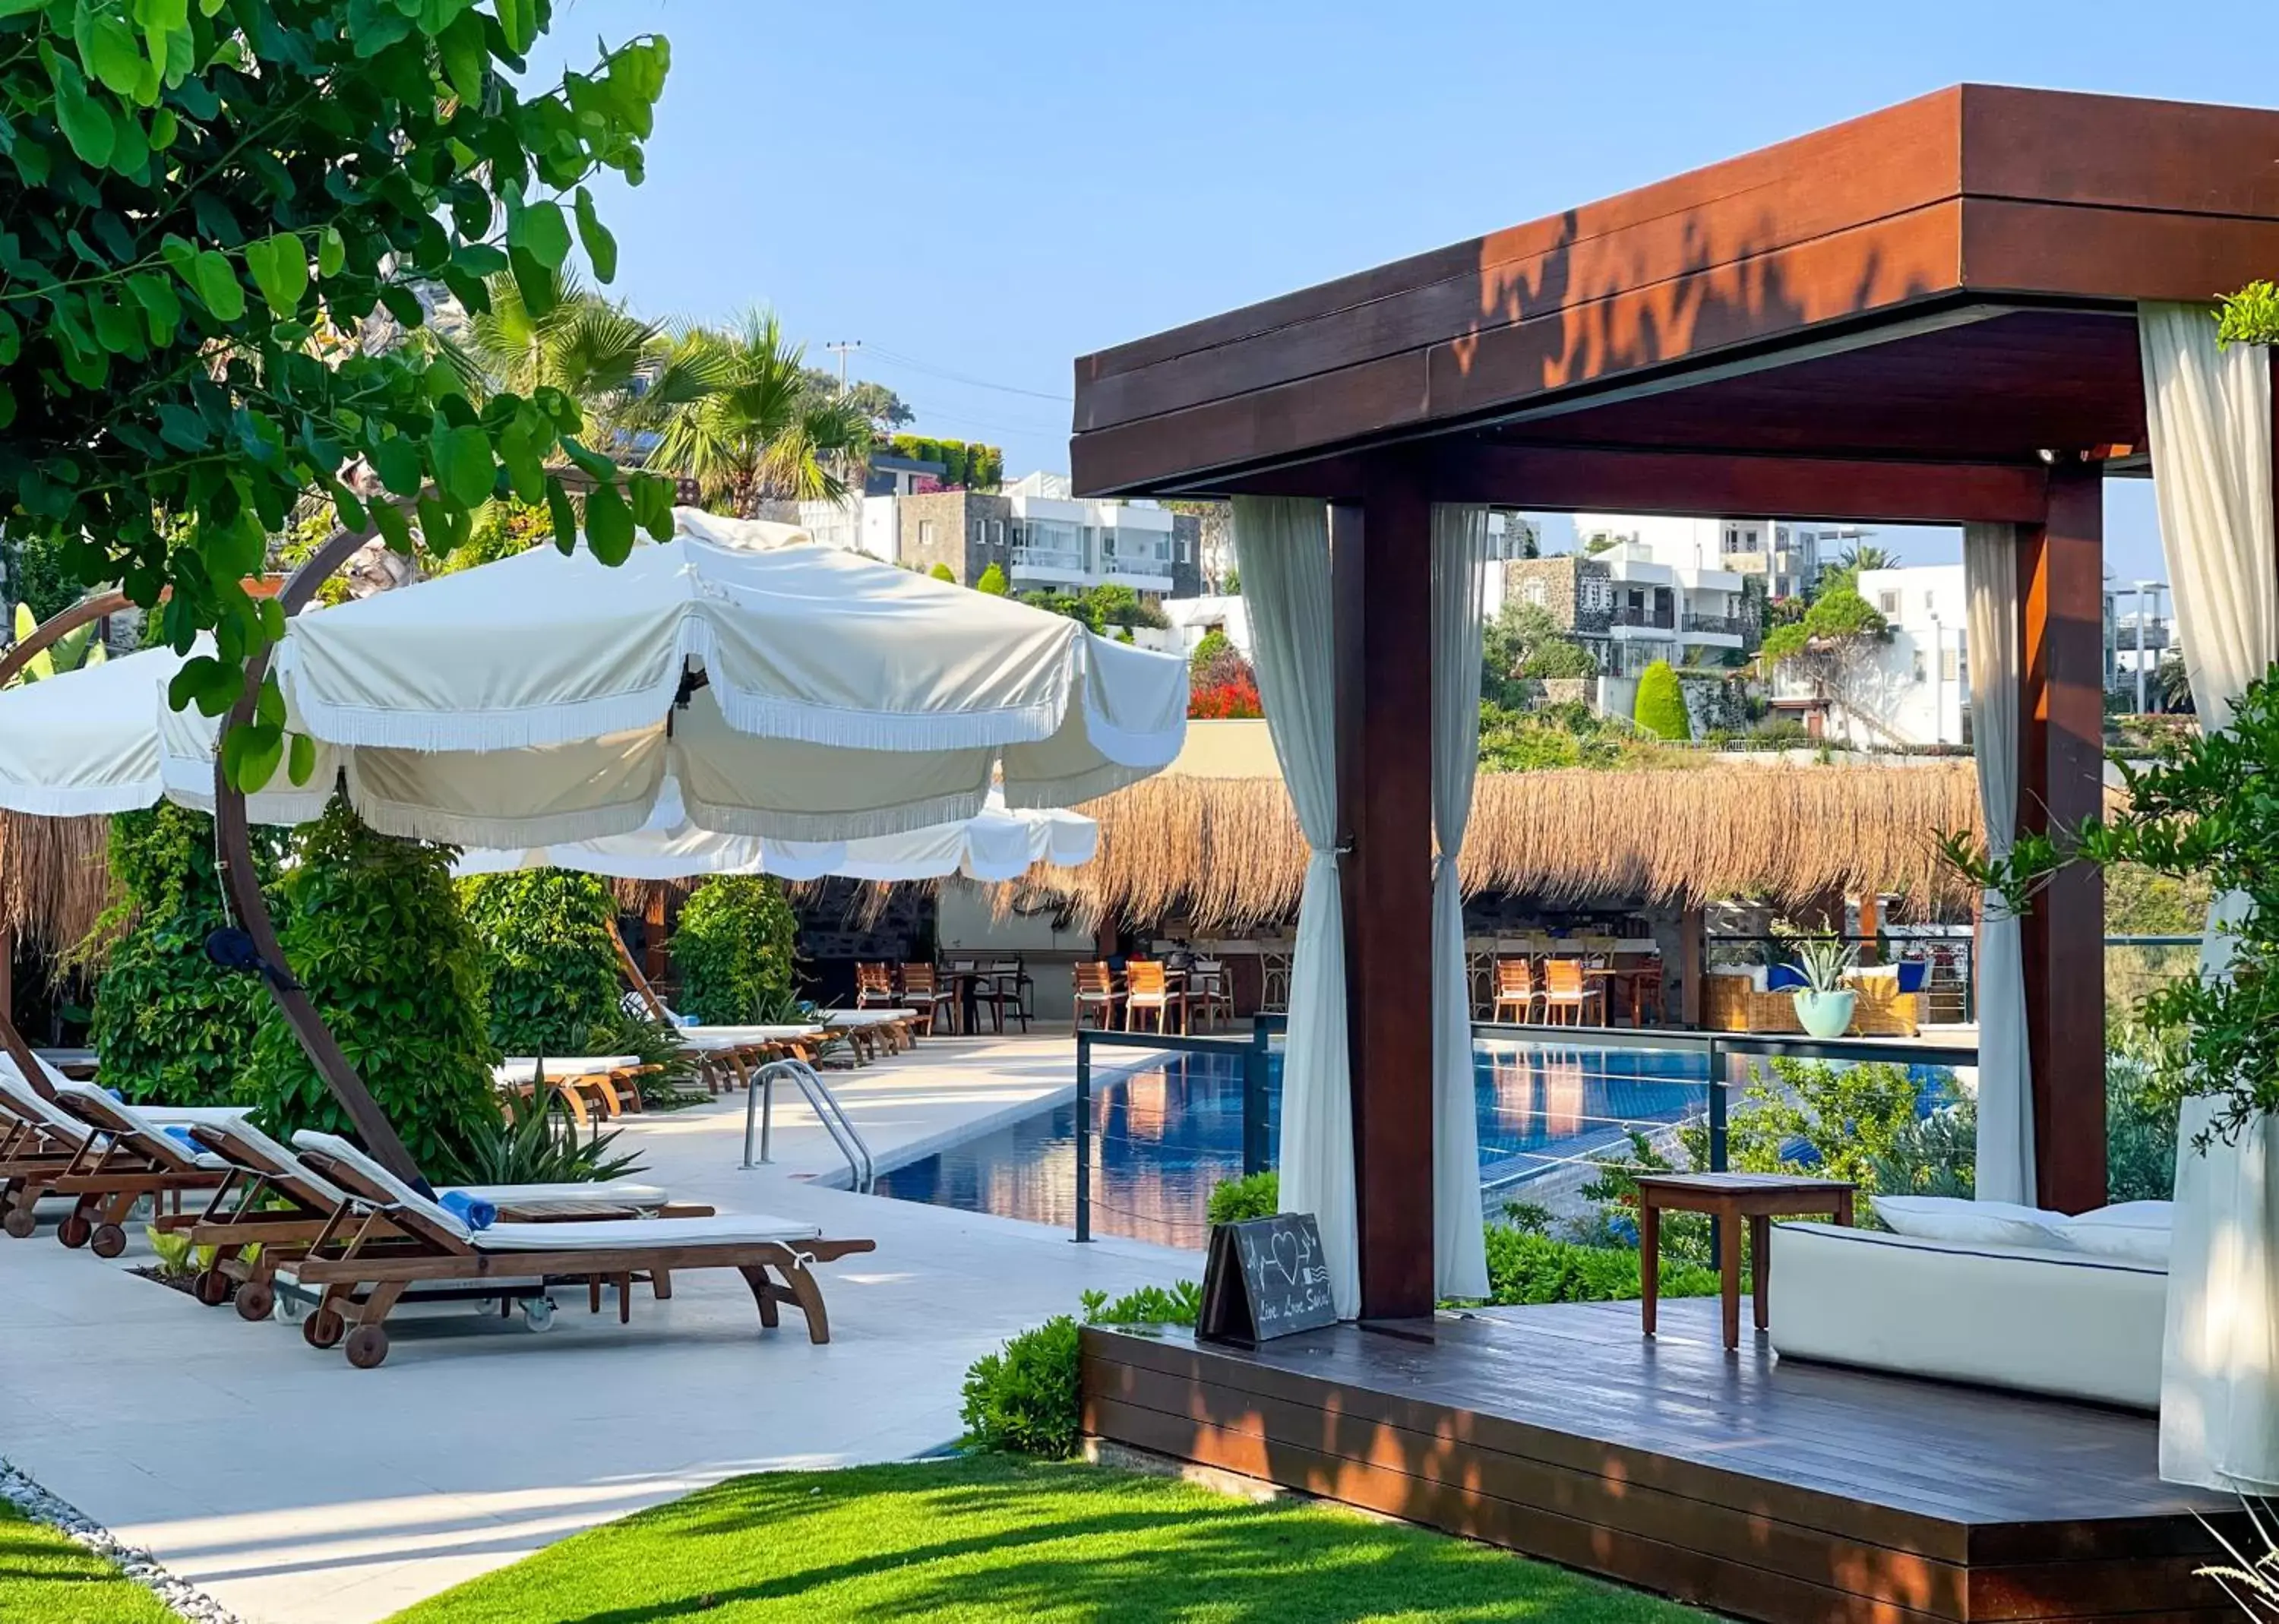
{"points": [[45, 636], [242, 886]]}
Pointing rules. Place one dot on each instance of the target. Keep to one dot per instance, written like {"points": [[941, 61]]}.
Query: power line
{"points": [[944, 374]]}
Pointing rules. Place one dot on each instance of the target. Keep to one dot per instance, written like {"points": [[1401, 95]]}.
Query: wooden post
{"points": [[1692, 963], [2062, 777], [8, 975], [1381, 553], [1871, 920], [653, 923]]}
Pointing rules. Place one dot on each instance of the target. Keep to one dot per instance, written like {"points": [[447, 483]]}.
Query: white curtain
{"points": [[1460, 1248], [2006, 1093], [2209, 413], [1282, 547]]}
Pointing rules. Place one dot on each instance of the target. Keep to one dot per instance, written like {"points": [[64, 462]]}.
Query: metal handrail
{"points": [[759, 1113]]}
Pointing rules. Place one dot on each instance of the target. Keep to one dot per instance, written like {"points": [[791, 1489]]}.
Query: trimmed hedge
{"points": [[1660, 706]]}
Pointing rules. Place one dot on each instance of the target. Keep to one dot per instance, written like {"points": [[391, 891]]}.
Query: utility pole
{"points": [[841, 348]]}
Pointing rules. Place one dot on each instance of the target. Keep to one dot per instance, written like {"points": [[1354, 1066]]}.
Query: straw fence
{"points": [[55, 880], [1225, 854]]}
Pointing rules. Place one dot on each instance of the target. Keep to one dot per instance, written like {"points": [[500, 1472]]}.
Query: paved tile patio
{"points": [[298, 1491]]}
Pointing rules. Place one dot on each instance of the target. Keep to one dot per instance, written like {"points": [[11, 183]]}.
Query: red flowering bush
{"points": [[1224, 702]]}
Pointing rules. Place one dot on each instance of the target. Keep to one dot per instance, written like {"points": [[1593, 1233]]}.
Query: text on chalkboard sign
{"points": [[1265, 1278]]}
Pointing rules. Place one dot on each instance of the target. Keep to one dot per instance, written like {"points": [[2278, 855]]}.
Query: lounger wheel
{"points": [[211, 1288], [19, 1223], [538, 1313], [254, 1299], [75, 1229], [323, 1329], [107, 1240], [367, 1347], [291, 1308]]}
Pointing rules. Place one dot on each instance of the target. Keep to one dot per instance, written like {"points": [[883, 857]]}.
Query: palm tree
{"points": [[593, 349], [1867, 555], [749, 426]]}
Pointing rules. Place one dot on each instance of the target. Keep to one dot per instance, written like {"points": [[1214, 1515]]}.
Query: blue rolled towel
{"points": [[182, 1135], [472, 1211]]}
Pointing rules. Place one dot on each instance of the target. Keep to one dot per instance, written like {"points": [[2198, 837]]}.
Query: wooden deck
{"points": [[1788, 1492]]}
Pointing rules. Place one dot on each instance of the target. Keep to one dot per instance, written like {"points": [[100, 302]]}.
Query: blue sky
{"points": [[980, 193]]}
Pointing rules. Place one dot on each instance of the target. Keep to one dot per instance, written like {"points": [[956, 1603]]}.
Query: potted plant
{"points": [[1823, 1004]]}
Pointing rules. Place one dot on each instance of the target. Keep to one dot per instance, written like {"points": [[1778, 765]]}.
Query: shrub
{"points": [[1846, 1120], [1234, 700], [678, 1079], [993, 581], [1026, 1398], [1236, 1200], [372, 928], [1212, 650], [1528, 1268], [2140, 1130], [1660, 707], [168, 1023], [1936, 1155], [538, 1144], [551, 967], [733, 948]]}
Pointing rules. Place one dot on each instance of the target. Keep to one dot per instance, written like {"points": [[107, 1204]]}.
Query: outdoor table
{"points": [[1624, 976], [1730, 1198]]}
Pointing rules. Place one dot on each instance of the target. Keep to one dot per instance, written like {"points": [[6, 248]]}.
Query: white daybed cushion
{"points": [[2034, 1320], [738, 1228], [1975, 1223], [2134, 1231]]}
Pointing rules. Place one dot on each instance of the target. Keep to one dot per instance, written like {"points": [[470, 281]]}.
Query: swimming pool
{"points": [[1166, 1133]]}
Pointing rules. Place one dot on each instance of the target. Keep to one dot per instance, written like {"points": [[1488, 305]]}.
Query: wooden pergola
{"points": [[1926, 315]]}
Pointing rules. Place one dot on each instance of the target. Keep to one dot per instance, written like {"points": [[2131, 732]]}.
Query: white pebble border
{"points": [[139, 1566]]}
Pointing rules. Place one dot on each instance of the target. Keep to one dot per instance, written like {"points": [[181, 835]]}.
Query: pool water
{"points": [[1166, 1134]]}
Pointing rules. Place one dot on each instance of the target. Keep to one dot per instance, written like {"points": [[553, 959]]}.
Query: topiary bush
{"points": [[993, 581], [551, 968], [1660, 706], [372, 928], [733, 948], [168, 1024]]}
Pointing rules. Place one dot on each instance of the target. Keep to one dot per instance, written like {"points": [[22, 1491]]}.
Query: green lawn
{"points": [[45, 1576], [993, 1539]]}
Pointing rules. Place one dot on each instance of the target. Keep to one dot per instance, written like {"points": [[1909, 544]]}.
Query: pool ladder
{"points": [[759, 1119]]}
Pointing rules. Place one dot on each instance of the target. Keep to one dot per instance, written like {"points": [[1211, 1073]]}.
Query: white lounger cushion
{"points": [[519, 1068], [738, 1037], [24, 1102], [312, 1186], [1975, 1223], [2037, 1321], [743, 1229], [863, 1017], [612, 1194], [104, 1108]]}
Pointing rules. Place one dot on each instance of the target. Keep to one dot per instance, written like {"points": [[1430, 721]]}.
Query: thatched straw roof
{"points": [[1225, 853], [55, 878]]}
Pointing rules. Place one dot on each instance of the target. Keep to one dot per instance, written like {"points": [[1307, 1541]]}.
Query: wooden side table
{"points": [[1730, 1198]]}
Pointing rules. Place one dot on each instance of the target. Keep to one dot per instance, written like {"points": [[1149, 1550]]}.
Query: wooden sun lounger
{"points": [[583, 1083], [392, 1238], [116, 1163], [273, 1206]]}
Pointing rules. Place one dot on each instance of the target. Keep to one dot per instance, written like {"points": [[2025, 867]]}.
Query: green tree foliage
{"points": [[733, 949], [37, 577], [1855, 1119], [552, 969], [886, 409], [371, 926], [1660, 706], [1103, 609], [2203, 812], [1211, 651], [209, 202], [168, 1025], [993, 581], [1829, 634], [1235, 1200], [747, 425]]}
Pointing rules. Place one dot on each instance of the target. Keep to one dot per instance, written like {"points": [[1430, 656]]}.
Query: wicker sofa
{"points": [[1738, 1000]]}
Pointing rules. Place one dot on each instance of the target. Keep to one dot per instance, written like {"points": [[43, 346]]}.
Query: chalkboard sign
{"points": [[1265, 1278]]}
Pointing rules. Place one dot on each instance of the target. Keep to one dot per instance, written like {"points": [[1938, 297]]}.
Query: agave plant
{"points": [[2251, 1582], [537, 1143]]}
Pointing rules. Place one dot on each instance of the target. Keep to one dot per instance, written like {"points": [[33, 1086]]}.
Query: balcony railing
{"points": [[1727, 625], [1655, 619]]}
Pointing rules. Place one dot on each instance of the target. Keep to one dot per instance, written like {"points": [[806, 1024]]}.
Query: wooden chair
{"points": [[390, 1239], [114, 1161], [1147, 987], [923, 996], [1566, 988], [1274, 982], [1516, 990], [1210, 992], [874, 987], [1096, 991], [1646, 988]]}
